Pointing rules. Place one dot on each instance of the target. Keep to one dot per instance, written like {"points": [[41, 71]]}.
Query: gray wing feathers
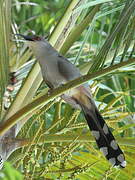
{"points": [[67, 69]]}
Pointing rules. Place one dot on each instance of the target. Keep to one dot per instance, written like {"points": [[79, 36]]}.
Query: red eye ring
{"points": [[37, 38]]}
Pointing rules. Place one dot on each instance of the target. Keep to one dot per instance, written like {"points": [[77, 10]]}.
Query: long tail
{"points": [[103, 136]]}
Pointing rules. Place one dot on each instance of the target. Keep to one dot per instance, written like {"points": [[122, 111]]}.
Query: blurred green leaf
{"points": [[10, 173]]}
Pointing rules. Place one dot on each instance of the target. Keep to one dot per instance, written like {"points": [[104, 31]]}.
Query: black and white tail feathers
{"points": [[104, 137]]}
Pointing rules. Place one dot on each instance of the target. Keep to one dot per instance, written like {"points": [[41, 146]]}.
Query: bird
{"points": [[57, 71]]}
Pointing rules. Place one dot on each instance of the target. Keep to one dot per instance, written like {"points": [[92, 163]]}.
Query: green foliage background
{"points": [[95, 35]]}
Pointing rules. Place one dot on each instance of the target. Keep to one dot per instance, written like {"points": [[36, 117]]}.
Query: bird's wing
{"points": [[67, 69]]}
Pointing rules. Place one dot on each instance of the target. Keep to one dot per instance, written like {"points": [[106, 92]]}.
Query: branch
{"points": [[52, 138], [78, 29], [36, 104]]}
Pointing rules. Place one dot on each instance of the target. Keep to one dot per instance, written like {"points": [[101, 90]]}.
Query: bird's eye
{"points": [[37, 38]]}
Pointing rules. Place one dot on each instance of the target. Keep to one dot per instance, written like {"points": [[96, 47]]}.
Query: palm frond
{"points": [[55, 141], [5, 21]]}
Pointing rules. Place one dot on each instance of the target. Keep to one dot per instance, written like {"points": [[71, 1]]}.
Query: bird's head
{"points": [[36, 43], [33, 38]]}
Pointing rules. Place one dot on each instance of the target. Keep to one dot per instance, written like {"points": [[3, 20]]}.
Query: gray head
{"points": [[38, 44]]}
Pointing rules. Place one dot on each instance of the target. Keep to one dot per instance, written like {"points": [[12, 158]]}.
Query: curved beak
{"points": [[28, 38]]}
